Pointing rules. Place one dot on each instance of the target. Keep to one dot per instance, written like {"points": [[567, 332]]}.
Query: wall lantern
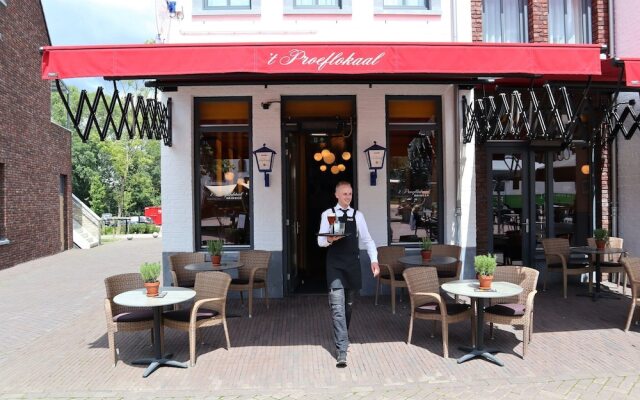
{"points": [[375, 159], [264, 159]]}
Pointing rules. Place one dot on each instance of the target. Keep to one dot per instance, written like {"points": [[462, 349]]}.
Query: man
{"points": [[343, 264]]}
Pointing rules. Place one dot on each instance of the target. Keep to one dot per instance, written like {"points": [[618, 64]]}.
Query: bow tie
{"points": [[344, 210]]}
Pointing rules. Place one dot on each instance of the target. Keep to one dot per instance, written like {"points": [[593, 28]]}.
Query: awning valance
{"points": [[454, 59], [632, 71]]}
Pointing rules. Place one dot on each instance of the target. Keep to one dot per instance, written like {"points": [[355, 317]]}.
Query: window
{"points": [[226, 7], [223, 165], [569, 21], [414, 168], [317, 6], [504, 21], [407, 6], [227, 4]]}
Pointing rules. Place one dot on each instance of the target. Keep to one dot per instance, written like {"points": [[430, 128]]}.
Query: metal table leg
{"points": [[479, 350]]}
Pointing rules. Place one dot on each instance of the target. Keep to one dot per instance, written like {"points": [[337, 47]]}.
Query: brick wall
{"points": [[476, 20], [482, 217], [538, 12], [600, 21], [34, 152]]}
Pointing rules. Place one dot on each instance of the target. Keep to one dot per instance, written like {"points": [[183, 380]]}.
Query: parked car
{"points": [[107, 219], [140, 219]]}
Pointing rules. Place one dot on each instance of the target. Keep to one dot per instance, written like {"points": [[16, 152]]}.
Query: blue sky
{"points": [[80, 22]]}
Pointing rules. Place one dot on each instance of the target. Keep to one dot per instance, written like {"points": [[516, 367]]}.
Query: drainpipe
{"points": [[457, 150], [613, 185], [454, 21], [612, 48]]}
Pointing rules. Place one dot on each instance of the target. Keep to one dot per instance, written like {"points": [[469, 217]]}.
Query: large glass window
{"points": [[414, 168], [317, 3], [223, 165], [229, 4], [569, 21], [504, 21], [420, 4]]}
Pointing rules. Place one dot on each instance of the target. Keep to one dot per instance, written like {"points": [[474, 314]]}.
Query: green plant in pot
{"points": [[485, 266], [150, 272], [602, 237], [425, 248], [215, 250]]}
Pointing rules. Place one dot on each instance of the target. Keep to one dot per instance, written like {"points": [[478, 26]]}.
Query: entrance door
{"points": [[318, 137], [509, 194]]}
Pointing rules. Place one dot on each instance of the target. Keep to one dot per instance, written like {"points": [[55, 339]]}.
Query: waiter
{"points": [[343, 264]]}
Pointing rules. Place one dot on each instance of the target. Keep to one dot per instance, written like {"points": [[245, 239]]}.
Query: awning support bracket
{"points": [[145, 118], [615, 122]]}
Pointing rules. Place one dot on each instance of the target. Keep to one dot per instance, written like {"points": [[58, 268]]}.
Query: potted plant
{"points": [[425, 248], [227, 170], [602, 237], [215, 250], [485, 266], [150, 273]]}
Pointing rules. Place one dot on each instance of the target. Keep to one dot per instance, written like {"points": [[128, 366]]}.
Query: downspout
{"points": [[612, 48], [456, 127], [454, 21], [614, 149]]}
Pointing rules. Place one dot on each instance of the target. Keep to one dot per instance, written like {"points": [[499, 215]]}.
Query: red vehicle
{"points": [[155, 213]]}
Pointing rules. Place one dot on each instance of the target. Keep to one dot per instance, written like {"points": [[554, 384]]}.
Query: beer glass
{"points": [[331, 218]]}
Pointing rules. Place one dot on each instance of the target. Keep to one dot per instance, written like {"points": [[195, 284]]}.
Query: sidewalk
{"points": [[53, 345]]}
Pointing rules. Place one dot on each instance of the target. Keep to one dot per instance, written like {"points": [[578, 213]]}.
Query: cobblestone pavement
{"points": [[53, 345]]}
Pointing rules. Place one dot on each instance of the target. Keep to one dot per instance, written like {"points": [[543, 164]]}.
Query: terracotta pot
{"points": [[215, 260], [426, 254], [601, 244], [485, 281], [152, 288]]}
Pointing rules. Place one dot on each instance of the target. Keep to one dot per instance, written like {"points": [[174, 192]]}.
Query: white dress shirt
{"points": [[364, 238]]}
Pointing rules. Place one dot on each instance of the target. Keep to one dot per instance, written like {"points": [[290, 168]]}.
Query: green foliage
{"points": [[215, 247], [601, 234], [150, 272], [485, 264], [117, 176], [426, 243]]}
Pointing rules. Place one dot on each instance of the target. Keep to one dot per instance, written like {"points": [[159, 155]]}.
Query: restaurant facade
{"points": [[491, 146]]}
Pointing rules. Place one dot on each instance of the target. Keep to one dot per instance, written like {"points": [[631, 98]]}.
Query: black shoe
{"points": [[342, 359]]}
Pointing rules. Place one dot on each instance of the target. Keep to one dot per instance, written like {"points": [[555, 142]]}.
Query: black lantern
{"points": [[375, 159], [264, 159]]}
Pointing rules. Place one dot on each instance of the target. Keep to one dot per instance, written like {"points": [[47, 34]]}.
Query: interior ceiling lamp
{"points": [[375, 159], [346, 156], [317, 156], [264, 159], [341, 167], [335, 170], [323, 168], [329, 158], [585, 169]]}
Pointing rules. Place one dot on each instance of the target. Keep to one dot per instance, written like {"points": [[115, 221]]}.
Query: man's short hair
{"points": [[342, 183]]}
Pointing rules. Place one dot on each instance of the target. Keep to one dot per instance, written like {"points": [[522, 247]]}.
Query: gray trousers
{"points": [[341, 302]]}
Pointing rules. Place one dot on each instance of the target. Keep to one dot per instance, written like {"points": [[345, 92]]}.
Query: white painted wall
{"points": [[177, 161]]}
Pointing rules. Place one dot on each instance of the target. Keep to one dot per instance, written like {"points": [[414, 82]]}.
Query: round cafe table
{"points": [[207, 266], [471, 288], [598, 259], [417, 261], [139, 298]]}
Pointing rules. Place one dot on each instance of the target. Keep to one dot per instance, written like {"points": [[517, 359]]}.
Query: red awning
{"points": [[171, 60], [632, 71]]}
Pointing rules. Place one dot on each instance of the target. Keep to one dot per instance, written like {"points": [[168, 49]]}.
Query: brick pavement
{"points": [[53, 345]]}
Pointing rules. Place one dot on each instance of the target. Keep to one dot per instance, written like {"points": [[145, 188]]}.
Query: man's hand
{"points": [[375, 268], [332, 239]]}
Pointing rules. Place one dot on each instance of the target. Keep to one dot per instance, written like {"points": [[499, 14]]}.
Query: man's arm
{"points": [[367, 240], [324, 227]]}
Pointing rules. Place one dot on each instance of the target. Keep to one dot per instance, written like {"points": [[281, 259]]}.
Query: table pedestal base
{"points": [[155, 363], [484, 353]]}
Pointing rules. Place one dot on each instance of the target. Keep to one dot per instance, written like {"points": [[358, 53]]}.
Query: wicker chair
{"points": [[450, 272], [612, 263], [390, 271], [632, 268], [253, 275], [122, 318], [428, 304], [180, 276], [209, 308], [515, 310], [557, 255]]}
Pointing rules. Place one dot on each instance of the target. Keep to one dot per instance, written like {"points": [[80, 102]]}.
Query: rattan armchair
{"points": [[390, 271], [253, 275], [515, 310], [632, 268], [122, 318], [612, 263], [209, 309], [557, 254], [448, 272], [179, 275], [428, 304]]}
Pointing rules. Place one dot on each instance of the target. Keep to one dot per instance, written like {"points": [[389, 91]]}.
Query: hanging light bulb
{"points": [[335, 170], [341, 167], [346, 156], [325, 152], [323, 168], [329, 158], [317, 156]]}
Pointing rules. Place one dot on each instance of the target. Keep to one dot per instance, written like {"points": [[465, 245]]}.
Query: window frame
{"points": [[440, 163], [344, 7], [197, 130], [199, 8], [524, 28], [432, 7]]}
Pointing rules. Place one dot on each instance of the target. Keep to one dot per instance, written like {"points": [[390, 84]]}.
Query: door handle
{"points": [[297, 228], [525, 224]]}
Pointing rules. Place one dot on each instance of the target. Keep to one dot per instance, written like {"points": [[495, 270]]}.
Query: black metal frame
{"points": [[145, 118], [614, 121]]}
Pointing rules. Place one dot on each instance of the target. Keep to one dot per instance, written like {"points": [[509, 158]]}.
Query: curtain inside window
{"points": [[568, 21], [503, 21]]}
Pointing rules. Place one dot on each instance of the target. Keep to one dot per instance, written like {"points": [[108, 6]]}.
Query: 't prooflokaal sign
{"points": [[322, 60]]}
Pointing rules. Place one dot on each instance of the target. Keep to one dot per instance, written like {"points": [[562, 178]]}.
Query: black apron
{"points": [[343, 257]]}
